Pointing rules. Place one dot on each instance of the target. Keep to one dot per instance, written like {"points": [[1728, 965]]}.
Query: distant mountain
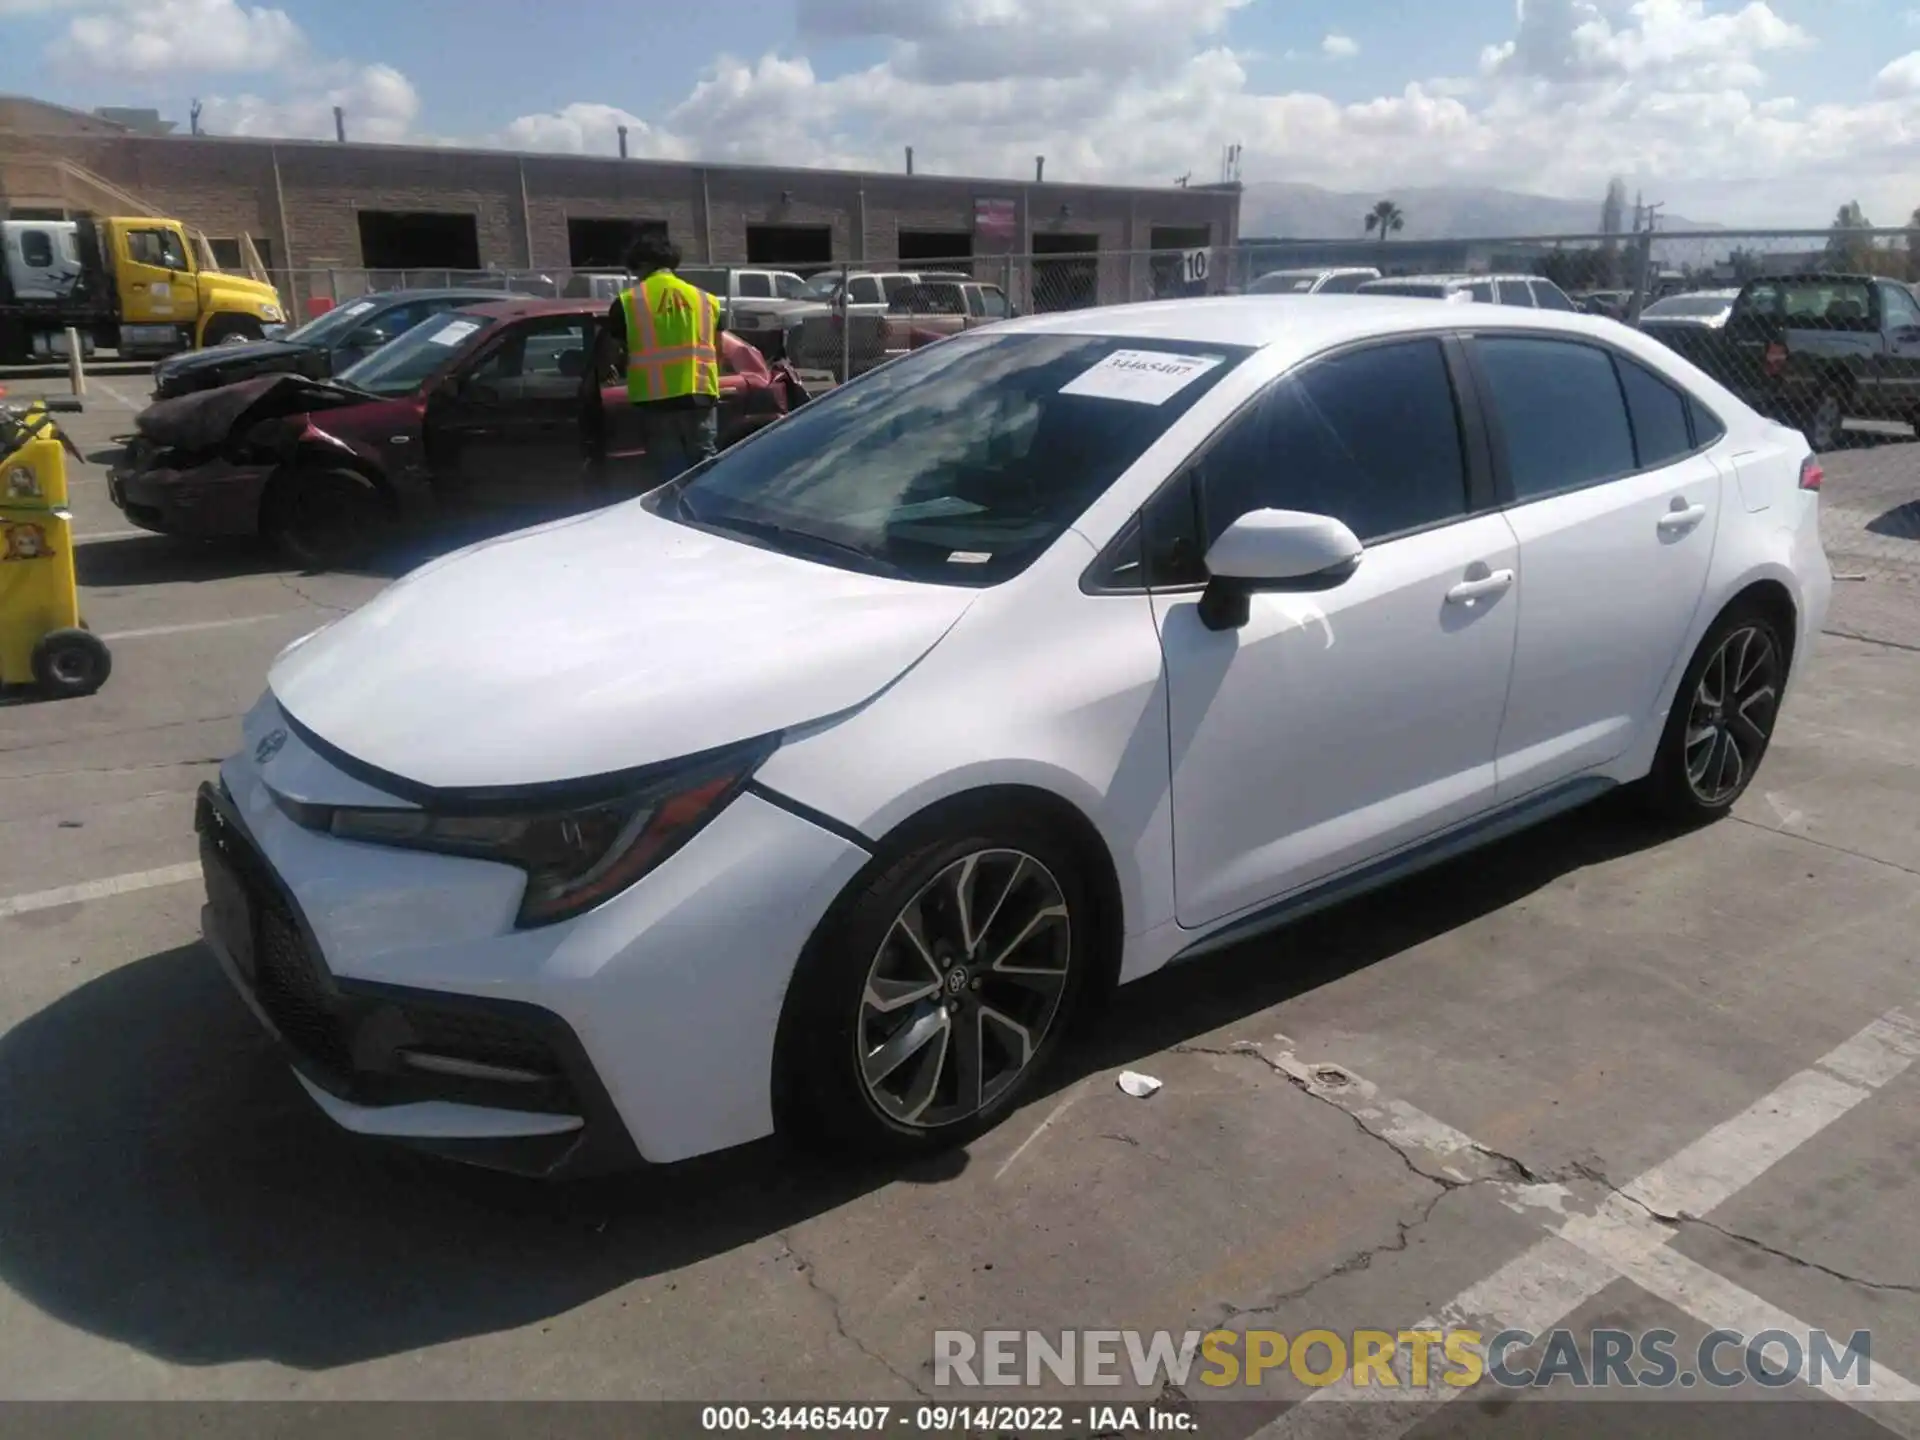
{"points": [[1282, 209]]}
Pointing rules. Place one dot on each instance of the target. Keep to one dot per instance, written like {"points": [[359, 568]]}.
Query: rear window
{"points": [[1343, 284], [1815, 303]]}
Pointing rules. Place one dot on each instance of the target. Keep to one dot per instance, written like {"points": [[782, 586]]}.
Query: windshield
{"points": [[1691, 305], [822, 287], [405, 365], [335, 322], [789, 287], [957, 464]]}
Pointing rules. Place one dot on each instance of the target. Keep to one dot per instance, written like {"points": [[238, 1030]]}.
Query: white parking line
{"points": [[112, 394], [193, 625], [99, 889], [1622, 1238], [89, 538]]}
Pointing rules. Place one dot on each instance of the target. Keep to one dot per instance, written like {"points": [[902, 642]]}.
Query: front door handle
{"points": [[1684, 517], [1468, 591]]}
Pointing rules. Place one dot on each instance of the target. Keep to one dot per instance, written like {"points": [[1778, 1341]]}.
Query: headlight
{"points": [[577, 853], [271, 312]]}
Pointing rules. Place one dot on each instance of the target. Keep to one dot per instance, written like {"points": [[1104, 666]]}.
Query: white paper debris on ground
{"points": [[1144, 377], [1137, 1085]]}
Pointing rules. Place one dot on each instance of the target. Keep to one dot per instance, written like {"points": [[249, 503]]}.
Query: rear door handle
{"points": [[1683, 519], [1468, 591]]}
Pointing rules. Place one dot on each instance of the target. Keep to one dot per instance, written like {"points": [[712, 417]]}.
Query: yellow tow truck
{"points": [[144, 286]]}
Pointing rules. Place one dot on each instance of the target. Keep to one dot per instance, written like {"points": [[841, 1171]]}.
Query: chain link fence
{"points": [[1816, 328]]}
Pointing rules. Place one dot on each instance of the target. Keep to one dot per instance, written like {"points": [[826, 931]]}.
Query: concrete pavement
{"points": [[1441, 1097]]}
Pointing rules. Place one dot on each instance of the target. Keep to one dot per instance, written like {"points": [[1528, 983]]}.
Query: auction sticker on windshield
{"points": [[359, 307], [454, 332], [1146, 377]]}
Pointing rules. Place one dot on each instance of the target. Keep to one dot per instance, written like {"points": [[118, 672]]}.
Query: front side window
{"points": [[993, 302], [161, 248], [863, 290], [1515, 292], [1371, 438], [1658, 413], [538, 360], [956, 464], [1900, 310], [1343, 284], [755, 285], [1560, 411]]}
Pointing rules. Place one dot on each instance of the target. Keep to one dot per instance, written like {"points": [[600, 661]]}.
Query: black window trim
{"points": [[1502, 470], [1128, 545]]}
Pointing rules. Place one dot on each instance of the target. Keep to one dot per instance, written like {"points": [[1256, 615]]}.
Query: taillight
{"points": [[1811, 475], [1776, 358]]}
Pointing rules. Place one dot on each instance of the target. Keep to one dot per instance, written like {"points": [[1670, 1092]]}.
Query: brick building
{"points": [[311, 206]]}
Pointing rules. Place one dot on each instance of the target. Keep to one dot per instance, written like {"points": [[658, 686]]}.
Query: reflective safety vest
{"points": [[670, 346]]}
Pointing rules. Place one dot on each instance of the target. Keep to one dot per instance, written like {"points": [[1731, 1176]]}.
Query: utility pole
{"points": [[1644, 218]]}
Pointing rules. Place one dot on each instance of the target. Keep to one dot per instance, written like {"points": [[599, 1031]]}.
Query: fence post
{"points": [[1643, 277], [846, 323], [76, 370]]}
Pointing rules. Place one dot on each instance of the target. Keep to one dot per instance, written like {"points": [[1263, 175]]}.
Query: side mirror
{"points": [[368, 338], [1274, 550]]}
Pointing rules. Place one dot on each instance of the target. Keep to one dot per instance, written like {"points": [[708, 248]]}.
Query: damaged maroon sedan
{"points": [[479, 413]]}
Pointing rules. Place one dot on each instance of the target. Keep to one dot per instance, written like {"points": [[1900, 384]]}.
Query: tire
{"points": [[323, 519], [863, 985], [1708, 756], [70, 663], [231, 330], [1821, 423]]}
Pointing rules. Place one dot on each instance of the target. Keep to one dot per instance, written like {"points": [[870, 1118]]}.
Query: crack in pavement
{"points": [[1827, 845], [1518, 1171], [110, 769], [287, 584], [805, 1267]]}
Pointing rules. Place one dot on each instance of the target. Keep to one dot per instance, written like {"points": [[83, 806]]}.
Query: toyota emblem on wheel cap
{"points": [[269, 747]]}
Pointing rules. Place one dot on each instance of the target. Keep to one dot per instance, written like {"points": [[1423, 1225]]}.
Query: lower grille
{"points": [[292, 993]]}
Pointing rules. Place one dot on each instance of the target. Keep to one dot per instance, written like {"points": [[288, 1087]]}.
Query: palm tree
{"points": [[1385, 218]]}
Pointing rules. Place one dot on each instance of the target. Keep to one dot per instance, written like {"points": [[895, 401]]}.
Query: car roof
{"points": [[1303, 323], [1819, 277], [401, 297], [520, 309]]}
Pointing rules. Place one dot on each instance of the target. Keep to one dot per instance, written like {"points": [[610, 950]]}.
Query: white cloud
{"points": [[589, 129], [1901, 78], [380, 103], [172, 36], [1340, 47]]}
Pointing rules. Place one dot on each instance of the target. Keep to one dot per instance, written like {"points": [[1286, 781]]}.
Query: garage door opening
{"points": [[603, 244], [1066, 276], [1171, 244], [789, 245], [418, 240], [927, 247]]}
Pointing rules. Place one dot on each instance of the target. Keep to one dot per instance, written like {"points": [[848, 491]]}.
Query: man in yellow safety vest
{"points": [[663, 336]]}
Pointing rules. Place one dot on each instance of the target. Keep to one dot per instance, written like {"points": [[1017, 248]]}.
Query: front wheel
{"points": [[322, 519], [1722, 720], [232, 330], [923, 1012]]}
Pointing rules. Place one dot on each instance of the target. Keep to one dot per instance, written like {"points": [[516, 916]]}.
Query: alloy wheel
{"points": [[964, 988], [1732, 713]]}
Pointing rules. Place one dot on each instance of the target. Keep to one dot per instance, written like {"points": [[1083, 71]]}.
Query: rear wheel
{"points": [[1722, 719], [70, 663], [923, 1012], [323, 519]]}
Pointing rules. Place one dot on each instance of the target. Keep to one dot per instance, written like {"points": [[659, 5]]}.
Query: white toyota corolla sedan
{"points": [[820, 787]]}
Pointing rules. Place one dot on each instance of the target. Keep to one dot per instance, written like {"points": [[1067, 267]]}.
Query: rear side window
{"points": [[1658, 413], [1481, 290], [1371, 437], [1549, 296], [1560, 412], [1706, 425], [864, 290], [36, 249], [1515, 292]]}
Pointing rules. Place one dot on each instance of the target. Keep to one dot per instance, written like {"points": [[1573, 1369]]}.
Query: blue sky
{"points": [[1773, 109]]}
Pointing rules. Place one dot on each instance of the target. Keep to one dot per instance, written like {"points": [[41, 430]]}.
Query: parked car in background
{"points": [[1815, 350], [323, 347], [477, 412], [757, 305], [820, 788], [1689, 324], [1613, 304], [1526, 291], [932, 310], [1313, 280], [814, 339]]}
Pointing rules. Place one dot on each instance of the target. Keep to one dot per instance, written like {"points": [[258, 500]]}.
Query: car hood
{"points": [[598, 644], [205, 419], [264, 354]]}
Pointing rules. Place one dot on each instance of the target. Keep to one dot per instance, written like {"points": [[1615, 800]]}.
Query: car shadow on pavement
{"points": [[164, 560], [170, 1187], [1902, 522]]}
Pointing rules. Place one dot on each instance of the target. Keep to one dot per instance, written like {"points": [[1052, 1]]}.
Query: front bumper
{"points": [[215, 500], [642, 1031]]}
